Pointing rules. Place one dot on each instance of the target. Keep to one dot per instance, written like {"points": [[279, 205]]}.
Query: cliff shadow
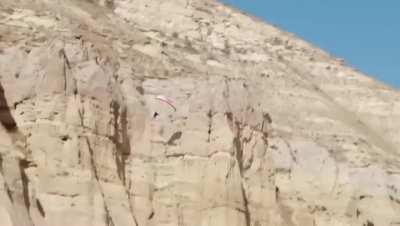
{"points": [[6, 118], [121, 139]]}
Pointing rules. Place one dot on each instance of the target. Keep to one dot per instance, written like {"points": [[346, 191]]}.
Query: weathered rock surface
{"points": [[268, 129]]}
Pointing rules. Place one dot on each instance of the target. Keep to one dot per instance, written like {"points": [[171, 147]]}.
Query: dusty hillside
{"points": [[268, 130]]}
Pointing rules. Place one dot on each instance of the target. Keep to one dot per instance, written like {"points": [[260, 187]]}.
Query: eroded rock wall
{"points": [[267, 129]]}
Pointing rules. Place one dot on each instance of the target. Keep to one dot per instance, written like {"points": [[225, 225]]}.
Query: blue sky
{"points": [[365, 33]]}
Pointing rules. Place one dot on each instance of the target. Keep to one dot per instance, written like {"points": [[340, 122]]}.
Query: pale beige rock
{"points": [[268, 130]]}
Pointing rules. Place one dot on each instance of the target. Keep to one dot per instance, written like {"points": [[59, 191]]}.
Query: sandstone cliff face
{"points": [[268, 129]]}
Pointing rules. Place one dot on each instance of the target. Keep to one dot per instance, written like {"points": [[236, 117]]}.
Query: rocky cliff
{"points": [[268, 130]]}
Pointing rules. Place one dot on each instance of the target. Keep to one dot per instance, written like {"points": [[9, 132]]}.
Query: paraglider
{"points": [[166, 100]]}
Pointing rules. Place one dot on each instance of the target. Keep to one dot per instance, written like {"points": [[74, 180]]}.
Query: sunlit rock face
{"points": [[266, 130]]}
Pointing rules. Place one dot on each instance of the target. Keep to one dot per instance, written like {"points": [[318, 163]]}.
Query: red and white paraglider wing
{"points": [[166, 101]]}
